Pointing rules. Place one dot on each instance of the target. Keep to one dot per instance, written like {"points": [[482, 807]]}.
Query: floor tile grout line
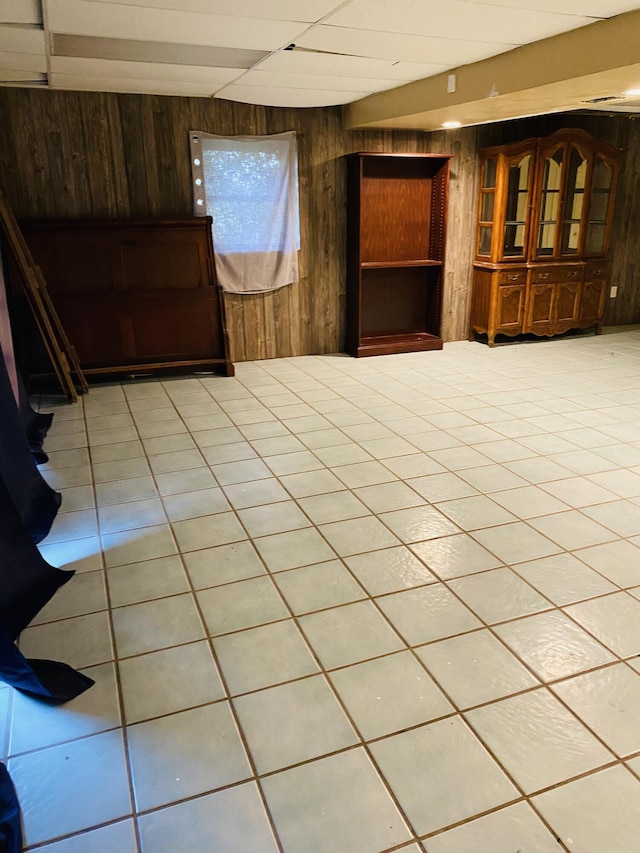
{"points": [[342, 704], [545, 682], [79, 834], [581, 722], [420, 645], [250, 539], [227, 700], [119, 686], [124, 724], [323, 673], [543, 686], [533, 559], [561, 845], [529, 797], [320, 460], [120, 728]]}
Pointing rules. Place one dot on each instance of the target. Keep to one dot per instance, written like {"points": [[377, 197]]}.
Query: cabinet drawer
{"points": [[546, 275], [594, 270], [513, 277]]}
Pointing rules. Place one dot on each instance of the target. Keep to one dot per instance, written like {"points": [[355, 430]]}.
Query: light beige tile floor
{"points": [[346, 605]]}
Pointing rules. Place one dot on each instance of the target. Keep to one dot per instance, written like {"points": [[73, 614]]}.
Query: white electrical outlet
{"points": [[451, 83], [614, 291]]}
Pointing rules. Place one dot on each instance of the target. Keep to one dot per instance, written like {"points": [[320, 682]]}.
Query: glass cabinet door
{"points": [[487, 207], [574, 202], [514, 242], [601, 183], [549, 203]]}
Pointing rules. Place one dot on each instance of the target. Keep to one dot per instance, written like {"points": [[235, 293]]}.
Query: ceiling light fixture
{"points": [[632, 92], [451, 124]]}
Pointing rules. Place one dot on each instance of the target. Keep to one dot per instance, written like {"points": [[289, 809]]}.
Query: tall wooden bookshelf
{"points": [[396, 221]]}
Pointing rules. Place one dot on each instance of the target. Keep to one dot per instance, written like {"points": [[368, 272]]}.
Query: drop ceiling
{"points": [[391, 61]]}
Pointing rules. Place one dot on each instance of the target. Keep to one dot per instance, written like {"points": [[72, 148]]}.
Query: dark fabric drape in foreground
{"points": [[49, 680], [10, 830], [35, 424], [28, 507], [27, 582], [35, 501]]}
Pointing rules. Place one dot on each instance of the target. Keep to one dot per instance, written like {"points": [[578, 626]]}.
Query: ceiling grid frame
{"points": [[386, 64]]}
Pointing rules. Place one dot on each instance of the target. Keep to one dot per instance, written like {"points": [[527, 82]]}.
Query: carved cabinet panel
{"points": [[541, 301], [593, 295], [510, 307], [567, 308]]}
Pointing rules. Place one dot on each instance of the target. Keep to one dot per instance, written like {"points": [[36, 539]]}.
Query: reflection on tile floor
{"points": [[346, 605]]}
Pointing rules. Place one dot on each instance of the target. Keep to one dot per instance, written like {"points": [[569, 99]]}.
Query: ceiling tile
{"points": [[86, 17], [286, 97], [377, 45], [320, 82], [213, 77], [21, 40], [8, 75], [128, 50], [20, 12], [592, 8], [279, 10], [301, 61], [455, 19], [81, 83], [23, 61]]}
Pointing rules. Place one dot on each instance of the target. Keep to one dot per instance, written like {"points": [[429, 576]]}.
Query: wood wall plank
{"points": [[31, 146], [60, 156], [84, 154], [118, 165], [69, 112], [463, 189], [95, 122], [625, 249]]}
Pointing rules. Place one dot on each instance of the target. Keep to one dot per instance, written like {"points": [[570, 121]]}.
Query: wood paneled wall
{"points": [[70, 155]]}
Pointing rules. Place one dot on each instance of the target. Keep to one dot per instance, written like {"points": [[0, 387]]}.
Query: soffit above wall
{"points": [[286, 52], [589, 68]]}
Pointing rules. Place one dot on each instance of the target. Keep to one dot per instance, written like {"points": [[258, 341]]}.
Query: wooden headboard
{"points": [[134, 294]]}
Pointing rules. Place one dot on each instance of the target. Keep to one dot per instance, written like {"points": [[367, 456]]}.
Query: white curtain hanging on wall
{"points": [[248, 185]]}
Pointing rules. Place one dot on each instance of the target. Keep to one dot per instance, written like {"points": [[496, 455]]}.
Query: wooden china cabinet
{"points": [[544, 220]]}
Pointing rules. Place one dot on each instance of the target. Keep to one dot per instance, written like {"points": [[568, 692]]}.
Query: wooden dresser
{"points": [[544, 218], [134, 294]]}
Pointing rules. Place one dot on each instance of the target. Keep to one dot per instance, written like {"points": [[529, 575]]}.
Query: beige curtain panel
{"points": [[248, 185]]}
